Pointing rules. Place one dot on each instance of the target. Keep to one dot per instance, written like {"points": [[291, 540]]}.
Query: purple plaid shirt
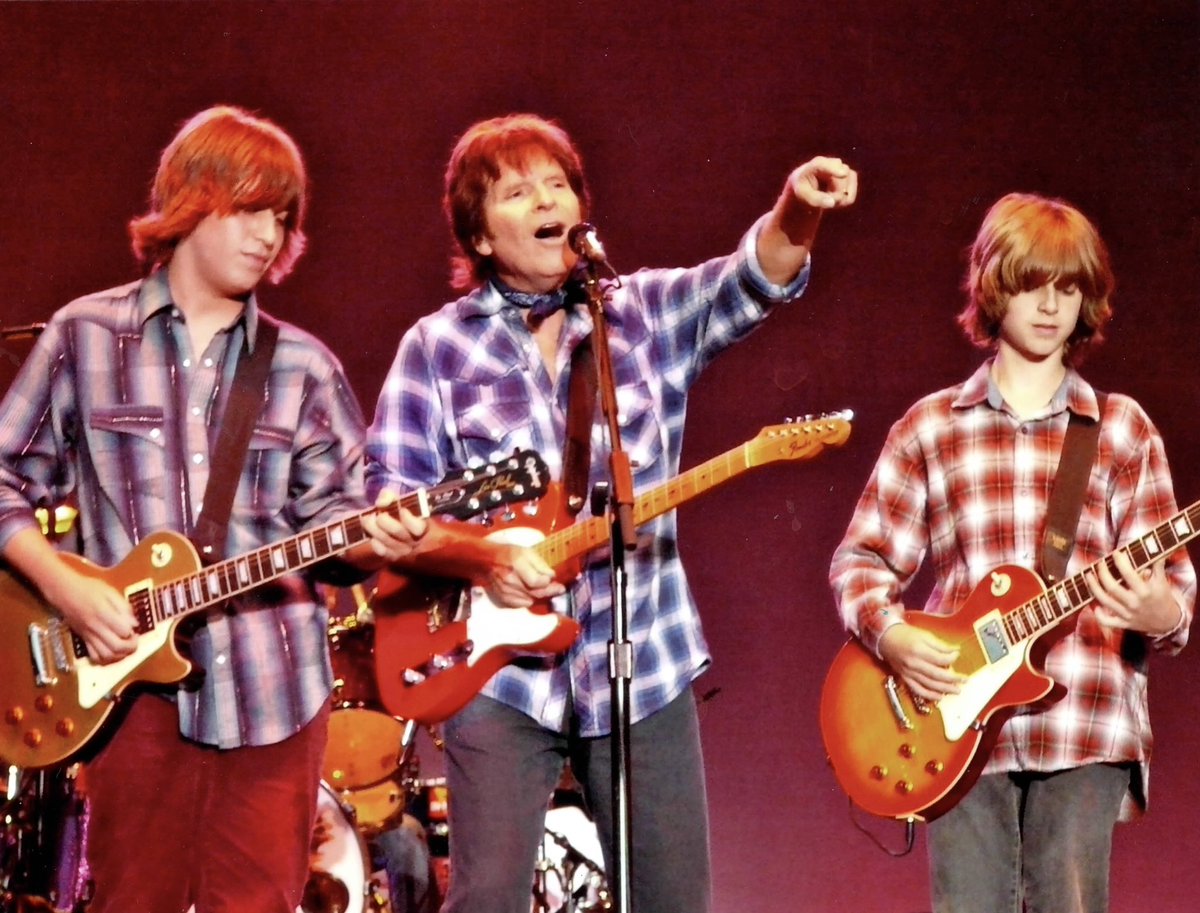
{"points": [[114, 408], [468, 385], [964, 482]]}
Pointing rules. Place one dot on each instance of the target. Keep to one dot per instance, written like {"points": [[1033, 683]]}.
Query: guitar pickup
{"points": [[991, 636]]}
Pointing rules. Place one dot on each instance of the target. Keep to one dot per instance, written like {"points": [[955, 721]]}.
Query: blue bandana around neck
{"points": [[541, 305]]}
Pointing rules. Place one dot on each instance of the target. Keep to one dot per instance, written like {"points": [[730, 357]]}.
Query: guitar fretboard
{"points": [[790, 441], [565, 544], [234, 576], [1072, 594]]}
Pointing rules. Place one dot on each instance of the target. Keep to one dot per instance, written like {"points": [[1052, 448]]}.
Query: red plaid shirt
{"points": [[964, 480]]}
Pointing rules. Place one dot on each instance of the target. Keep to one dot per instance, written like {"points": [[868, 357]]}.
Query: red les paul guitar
{"points": [[898, 756], [428, 666]]}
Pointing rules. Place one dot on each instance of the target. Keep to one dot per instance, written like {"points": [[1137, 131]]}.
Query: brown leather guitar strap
{"points": [[1067, 493], [229, 455], [581, 410]]}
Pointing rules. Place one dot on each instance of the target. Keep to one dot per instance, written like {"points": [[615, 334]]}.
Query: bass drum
{"points": [[365, 745], [339, 867]]}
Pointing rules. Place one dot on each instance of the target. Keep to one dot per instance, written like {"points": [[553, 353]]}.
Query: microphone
{"points": [[582, 239]]}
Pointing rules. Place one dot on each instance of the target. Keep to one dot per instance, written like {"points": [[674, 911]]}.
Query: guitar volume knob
{"points": [[33, 738], [903, 787], [935, 767], [14, 715], [879, 772]]}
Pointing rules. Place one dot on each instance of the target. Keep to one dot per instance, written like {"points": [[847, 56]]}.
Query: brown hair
{"points": [[1026, 241], [223, 160], [475, 164]]}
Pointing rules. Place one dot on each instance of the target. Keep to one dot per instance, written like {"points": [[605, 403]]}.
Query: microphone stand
{"points": [[623, 535]]}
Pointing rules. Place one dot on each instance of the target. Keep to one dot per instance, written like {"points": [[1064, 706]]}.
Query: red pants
{"points": [[173, 823]]}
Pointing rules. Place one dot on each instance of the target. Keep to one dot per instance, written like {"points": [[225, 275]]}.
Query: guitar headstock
{"points": [[799, 439], [521, 477]]}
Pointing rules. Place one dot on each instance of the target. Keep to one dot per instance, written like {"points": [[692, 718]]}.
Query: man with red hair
{"points": [[490, 372], [965, 478], [205, 793]]}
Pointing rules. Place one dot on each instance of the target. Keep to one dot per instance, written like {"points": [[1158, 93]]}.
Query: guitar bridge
{"points": [[892, 691], [48, 653]]}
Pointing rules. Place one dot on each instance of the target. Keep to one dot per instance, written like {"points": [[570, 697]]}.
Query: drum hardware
{"points": [[569, 876], [41, 842]]}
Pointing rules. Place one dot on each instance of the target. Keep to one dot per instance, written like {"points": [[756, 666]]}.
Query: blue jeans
{"points": [[1039, 840], [501, 768], [403, 852]]}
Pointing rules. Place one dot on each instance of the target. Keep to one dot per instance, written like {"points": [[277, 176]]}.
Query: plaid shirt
{"points": [[113, 407], [963, 479], [469, 385]]}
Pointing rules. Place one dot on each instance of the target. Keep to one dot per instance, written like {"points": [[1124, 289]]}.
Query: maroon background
{"points": [[689, 116]]}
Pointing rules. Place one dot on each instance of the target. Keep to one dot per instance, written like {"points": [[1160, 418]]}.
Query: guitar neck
{"points": [[234, 576], [567, 544], [1069, 596]]}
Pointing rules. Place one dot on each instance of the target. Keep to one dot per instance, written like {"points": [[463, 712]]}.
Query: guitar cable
{"points": [[910, 831]]}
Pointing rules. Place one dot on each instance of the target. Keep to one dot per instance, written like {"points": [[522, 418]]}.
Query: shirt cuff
{"points": [[758, 279]]}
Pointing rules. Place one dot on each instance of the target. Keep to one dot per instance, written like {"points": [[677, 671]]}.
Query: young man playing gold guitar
{"points": [[205, 793], [491, 371], [965, 477]]}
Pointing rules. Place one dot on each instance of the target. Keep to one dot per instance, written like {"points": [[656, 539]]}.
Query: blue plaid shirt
{"points": [[469, 385], [113, 407]]}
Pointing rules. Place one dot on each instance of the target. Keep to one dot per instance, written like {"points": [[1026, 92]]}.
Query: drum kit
{"points": [[370, 786]]}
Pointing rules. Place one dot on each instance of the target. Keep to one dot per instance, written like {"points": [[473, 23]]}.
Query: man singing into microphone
{"points": [[489, 373]]}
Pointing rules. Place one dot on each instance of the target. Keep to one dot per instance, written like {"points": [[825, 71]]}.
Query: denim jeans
{"points": [[1039, 840], [501, 768]]}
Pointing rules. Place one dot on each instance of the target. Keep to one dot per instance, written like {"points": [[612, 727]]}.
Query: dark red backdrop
{"points": [[689, 115]]}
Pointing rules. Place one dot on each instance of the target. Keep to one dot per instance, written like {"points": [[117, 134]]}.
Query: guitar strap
{"points": [[581, 409], [229, 455], [1066, 495]]}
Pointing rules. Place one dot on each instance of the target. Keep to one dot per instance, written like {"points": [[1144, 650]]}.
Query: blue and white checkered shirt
{"points": [[469, 386]]}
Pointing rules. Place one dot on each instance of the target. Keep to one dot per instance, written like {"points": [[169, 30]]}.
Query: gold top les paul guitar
{"points": [[53, 698], [898, 756], [428, 667]]}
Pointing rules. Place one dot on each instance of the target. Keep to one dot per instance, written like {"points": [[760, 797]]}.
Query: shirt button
{"points": [[197, 458], [220, 660], [195, 410], [208, 362], [187, 362], [155, 434]]}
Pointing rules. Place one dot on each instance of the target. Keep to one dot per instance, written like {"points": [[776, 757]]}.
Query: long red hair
{"points": [[223, 160]]}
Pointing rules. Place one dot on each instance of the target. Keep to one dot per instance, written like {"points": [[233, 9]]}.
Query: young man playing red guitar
{"points": [[965, 476], [491, 371], [206, 798]]}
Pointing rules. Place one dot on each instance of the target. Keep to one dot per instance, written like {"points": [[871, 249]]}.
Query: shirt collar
{"points": [[1073, 394], [155, 298]]}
